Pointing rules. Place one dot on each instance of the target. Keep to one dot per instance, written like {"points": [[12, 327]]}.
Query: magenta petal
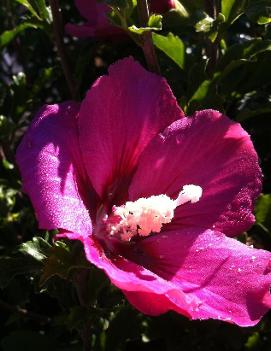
{"points": [[136, 282], [209, 150], [229, 280], [49, 161], [80, 31], [161, 6], [88, 30], [120, 115], [97, 25], [91, 9]]}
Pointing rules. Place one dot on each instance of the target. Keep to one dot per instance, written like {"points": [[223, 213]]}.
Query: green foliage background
{"points": [[215, 54]]}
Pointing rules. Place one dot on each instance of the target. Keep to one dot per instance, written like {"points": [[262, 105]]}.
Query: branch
{"points": [[148, 47], [58, 34]]}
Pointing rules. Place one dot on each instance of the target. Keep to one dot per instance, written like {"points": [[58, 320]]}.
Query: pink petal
{"points": [[209, 150], [136, 282], [120, 115], [50, 163], [229, 280]]}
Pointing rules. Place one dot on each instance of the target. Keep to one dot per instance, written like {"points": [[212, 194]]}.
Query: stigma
{"points": [[146, 216]]}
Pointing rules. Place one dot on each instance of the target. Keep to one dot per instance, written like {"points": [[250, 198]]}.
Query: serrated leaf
{"points": [[37, 248], [13, 266], [155, 22], [204, 25], [61, 261], [172, 46]]}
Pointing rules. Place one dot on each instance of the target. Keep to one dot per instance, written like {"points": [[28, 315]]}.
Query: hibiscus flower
{"points": [[98, 24], [154, 196]]}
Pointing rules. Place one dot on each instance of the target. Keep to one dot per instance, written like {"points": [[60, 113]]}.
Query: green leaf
{"points": [[7, 196], [181, 9], [204, 25], [44, 11], [253, 341], [30, 8], [232, 76], [154, 23], [172, 46], [13, 266], [121, 11], [6, 127], [259, 11], [232, 9], [120, 331], [61, 261], [116, 3], [138, 30], [38, 9], [28, 340], [37, 248], [201, 91], [210, 25], [263, 210], [246, 50], [264, 110], [7, 165], [57, 263], [7, 36]]}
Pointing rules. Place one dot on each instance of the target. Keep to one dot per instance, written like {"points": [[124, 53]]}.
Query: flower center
{"points": [[147, 215]]}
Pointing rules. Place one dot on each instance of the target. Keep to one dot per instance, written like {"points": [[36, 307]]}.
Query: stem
{"points": [[212, 48], [211, 8], [148, 47], [80, 281], [58, 34]]}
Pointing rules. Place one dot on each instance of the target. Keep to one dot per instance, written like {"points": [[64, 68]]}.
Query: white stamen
{"points": [[147, 215], [188, 193]]}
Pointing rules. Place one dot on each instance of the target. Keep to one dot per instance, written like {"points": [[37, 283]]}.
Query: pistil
{"points": [[147, 215]]}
